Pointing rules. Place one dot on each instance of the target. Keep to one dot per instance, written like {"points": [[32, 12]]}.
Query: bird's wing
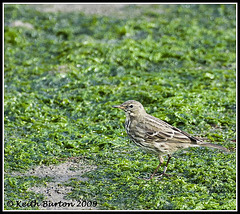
{"points": [[158, 130]]}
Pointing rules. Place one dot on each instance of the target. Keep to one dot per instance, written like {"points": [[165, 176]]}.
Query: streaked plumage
{"points": [[156, 136]]}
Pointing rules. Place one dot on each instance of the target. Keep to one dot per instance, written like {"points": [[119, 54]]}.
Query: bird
{"points": [[157, 136]]}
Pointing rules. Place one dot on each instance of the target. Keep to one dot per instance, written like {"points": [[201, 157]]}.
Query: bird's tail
{"points": [[214, 146]]}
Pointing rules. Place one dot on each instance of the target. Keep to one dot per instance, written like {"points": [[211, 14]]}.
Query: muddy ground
{"points": [[55, 191]]}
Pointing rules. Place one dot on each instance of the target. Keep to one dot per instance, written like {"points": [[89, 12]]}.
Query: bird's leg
{"points": [[161, 161], [165, 168]]}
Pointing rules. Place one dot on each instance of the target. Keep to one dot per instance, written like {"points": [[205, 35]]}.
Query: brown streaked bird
{"points": [[156, 136]]}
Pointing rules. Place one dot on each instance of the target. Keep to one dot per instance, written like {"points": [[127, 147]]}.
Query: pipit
{"points": [[156, 136]]}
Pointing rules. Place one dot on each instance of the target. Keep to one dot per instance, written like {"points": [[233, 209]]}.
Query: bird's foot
{"points": [[164, 174]]}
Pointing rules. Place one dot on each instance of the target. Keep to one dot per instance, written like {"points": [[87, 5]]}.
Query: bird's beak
{"points": [[119, 106]]}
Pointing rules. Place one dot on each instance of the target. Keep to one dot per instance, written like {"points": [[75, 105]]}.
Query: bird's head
{"points": [[132, 108]]}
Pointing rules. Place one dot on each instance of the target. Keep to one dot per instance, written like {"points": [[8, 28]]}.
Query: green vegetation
{"points": [[62, 76]]}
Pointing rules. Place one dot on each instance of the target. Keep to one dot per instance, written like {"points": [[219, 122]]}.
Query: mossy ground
{"points": [[63, 74]]}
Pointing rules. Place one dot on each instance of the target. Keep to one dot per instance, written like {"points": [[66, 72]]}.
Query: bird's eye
{"points": [[131, 106]]}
